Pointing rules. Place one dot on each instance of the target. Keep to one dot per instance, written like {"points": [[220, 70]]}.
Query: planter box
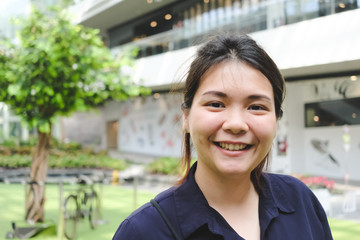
{"points": [[324, 197]]}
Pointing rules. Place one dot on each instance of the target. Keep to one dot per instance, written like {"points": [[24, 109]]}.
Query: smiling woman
{"points": [[228, 112], [232, 101]]}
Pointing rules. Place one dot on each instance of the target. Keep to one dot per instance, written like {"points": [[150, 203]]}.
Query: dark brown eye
{"points": [[216, 105], [256, 107]]}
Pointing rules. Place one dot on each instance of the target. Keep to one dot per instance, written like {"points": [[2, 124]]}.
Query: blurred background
{"points": [[315, 44]]}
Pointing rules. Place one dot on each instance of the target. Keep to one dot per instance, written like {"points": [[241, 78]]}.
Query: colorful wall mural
{"points": [[151, 125]]}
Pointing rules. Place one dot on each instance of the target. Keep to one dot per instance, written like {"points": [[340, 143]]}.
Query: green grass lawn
{"points": [[117, 204], [345, 230]]}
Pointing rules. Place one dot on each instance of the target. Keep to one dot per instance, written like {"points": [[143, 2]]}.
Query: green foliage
{"points": [[166, 165], [68, 147], [14, 142], [79, 160], [15, 146], [5, 51], [15, 161], [86, 161], [11, 142], [59, 68], [62, 155]]}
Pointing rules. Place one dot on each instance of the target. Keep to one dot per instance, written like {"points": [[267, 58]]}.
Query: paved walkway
{"points": [[133, 157]]}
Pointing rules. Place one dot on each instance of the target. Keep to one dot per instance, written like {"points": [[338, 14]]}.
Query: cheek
{"points": [[202, 121], [271, 133], [266, 130], [203, 125]]}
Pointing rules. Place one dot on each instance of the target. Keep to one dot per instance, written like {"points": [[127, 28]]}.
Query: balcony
{"points": [[194, 22]]}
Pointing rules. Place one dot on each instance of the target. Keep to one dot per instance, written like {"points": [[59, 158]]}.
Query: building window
{"points": [[333, 113]]}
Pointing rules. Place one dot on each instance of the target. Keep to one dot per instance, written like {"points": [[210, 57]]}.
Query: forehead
{"points": [[234, 75]]}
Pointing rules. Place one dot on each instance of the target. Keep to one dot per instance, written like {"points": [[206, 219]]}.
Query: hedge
{"points": [[81, 160]]}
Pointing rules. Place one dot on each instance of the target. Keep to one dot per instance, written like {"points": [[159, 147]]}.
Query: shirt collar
{"points": [[192, 208], [272, 203], [273, 196]]}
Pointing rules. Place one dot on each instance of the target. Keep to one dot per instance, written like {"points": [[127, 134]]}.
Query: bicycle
{"points": [[83, 203]]}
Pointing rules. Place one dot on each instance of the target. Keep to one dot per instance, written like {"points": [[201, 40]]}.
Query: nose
{"points": [[235, 122]]}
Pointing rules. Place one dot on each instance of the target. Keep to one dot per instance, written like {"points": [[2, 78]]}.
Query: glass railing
{"points": [[262, 16]]}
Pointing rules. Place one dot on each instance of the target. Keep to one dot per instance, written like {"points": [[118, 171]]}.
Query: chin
{"points": [[235, 170]]}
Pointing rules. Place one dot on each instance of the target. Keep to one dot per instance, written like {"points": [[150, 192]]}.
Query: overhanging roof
{"points": [[106, 14]]}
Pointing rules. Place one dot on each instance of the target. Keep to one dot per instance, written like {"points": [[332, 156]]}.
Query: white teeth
{"points": [[232, 147]]}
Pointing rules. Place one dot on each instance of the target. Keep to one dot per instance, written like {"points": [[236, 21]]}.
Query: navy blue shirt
{"points": [[287, 210]]}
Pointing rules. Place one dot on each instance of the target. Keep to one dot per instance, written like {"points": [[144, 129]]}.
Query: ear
{"points": [[185, 120]]}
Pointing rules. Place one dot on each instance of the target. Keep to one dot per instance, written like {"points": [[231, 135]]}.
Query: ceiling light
{"points": [[168, 16], [153, 24], [353, 78]]}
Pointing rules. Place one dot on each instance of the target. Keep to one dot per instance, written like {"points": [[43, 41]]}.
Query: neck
{"points": [[235, 198], [237, 190]]}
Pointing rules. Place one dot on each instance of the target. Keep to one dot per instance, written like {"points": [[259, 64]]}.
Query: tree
{"points": [[57, 68]]}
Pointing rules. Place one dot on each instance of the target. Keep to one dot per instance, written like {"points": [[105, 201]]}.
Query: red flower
{"points": [[317, 182]]}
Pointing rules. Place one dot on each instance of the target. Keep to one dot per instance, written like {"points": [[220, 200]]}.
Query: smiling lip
{"points": [[232, 146]]}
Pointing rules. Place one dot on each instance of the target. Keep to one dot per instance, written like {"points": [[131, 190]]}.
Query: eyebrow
{"points": [[223, 95], [216, 93], [260, 96]]}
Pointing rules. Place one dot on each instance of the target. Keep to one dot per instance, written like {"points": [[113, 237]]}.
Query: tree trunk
{"points": [[35, 189]]}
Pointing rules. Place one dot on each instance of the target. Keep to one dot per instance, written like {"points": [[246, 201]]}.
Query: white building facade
{"points": [[319, 56]]}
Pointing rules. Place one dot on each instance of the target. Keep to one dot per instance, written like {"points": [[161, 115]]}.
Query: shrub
{"points": [[86, 161], [15, 146], [62, 155], [65, 146], [11, 142], [166, 165], [66, 161], [5, 150], [31, 142], [314, 182], [15, 161]]}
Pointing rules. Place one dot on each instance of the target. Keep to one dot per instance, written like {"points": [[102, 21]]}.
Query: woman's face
{"points": [[232, 121]]}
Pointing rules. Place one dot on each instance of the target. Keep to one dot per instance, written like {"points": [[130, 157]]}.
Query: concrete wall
{"points": [[87, 128], [305, 157]]}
